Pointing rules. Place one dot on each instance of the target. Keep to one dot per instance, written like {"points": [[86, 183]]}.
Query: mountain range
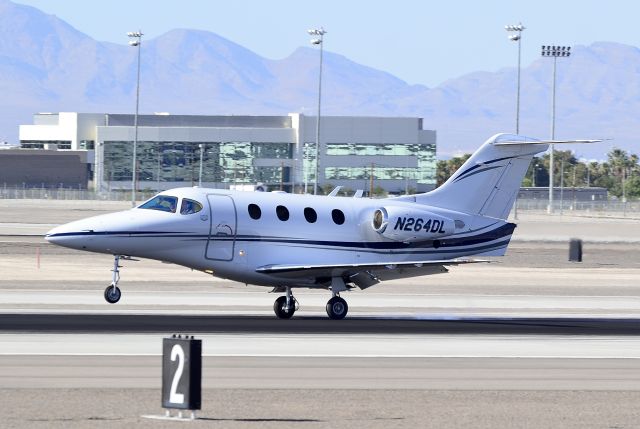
{"points": [[47, 65]]}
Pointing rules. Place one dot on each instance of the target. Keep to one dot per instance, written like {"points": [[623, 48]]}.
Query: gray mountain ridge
{"points": [[47, 65]]}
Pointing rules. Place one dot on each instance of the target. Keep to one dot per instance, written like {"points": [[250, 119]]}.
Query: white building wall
{"points": [[63, 126]]}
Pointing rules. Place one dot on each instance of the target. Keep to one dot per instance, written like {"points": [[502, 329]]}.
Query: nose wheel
{"points": [[112, 293]]}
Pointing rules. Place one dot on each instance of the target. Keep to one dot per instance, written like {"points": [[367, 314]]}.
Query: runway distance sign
{"points": [[181, 373]]}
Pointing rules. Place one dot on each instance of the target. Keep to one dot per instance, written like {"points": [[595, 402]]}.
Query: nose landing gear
{"points": [[112, 293]]}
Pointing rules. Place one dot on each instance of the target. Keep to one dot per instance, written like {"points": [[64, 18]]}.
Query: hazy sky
{"points": [[423, 42]]}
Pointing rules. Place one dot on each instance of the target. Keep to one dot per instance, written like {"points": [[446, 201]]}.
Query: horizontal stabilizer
{"points": [[521, 142]]}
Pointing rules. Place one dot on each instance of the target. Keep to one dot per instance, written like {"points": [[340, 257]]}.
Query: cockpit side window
{"points": [[164, 203], [189, 206]]}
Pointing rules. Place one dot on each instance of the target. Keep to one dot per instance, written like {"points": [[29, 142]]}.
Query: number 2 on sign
{"points": [[174, 396]]}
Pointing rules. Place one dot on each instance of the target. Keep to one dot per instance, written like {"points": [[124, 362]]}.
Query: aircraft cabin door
{"points": [[222, 230]]}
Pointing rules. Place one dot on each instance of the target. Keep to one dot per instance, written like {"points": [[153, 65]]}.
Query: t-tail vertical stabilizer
{"points": [[488, 183]]}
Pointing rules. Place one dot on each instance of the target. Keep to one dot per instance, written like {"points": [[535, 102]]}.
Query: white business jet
{"points": [[287, 241]]}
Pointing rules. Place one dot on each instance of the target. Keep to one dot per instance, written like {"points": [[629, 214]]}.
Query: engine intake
{"points": [[398, 223]]}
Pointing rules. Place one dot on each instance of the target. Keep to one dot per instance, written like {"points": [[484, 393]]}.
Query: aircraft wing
{"points": [[366, 274]]}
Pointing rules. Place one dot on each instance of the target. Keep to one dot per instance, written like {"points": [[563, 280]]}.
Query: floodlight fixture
{"points": [[556, 51], [317, 31], [516, 27]]}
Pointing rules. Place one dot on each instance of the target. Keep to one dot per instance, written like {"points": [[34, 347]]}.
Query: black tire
{"points": [[337, 308], [280, 308], [112, 295]]}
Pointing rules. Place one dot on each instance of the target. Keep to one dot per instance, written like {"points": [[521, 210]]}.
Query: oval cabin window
{"points": [[337, 216], [310, 215], [283, 213], [254, 211]]}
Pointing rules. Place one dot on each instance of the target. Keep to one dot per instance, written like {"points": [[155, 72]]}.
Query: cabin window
{"points": [[310, 215], [254, 211], [282, 212], [164, 203], [337, 216], [189, 206]]}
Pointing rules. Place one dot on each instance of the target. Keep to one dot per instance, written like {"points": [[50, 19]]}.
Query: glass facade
{"points": [[87, 144], [424, 173], [309, 162], [228, 162]]}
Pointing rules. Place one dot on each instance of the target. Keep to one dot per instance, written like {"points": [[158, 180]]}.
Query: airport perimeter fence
{"points": [[70, 194], [614, 208]]}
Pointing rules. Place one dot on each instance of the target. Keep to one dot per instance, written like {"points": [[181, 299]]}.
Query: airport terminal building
{"points": [[278, 151]]}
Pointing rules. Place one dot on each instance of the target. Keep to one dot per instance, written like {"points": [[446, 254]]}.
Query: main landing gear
{"points": [[337, 307], [112, 293], [285, 306]]}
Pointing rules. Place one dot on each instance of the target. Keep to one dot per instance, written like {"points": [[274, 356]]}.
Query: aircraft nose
{"points": [[67, 235]]}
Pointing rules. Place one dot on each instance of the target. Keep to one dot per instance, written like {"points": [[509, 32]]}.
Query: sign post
{"points": [[181, 374]]}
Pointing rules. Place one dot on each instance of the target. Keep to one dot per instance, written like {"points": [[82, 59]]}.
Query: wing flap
{"points": [[277, 269]]}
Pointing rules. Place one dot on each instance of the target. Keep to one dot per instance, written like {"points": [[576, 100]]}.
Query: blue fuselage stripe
{"points": [[443, 244]]}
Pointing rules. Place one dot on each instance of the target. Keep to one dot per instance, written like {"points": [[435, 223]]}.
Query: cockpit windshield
{"points": [[164, 203], [189, 206]]}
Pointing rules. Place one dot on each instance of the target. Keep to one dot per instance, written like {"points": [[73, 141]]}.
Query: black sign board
{"points": [[182, 373]]}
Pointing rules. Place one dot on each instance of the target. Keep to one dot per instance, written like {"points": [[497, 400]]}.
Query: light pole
{"points": [[553, 52], [561, 186], [136, 41], [515, 35], [318, 40], [304, 169], [201, 159]]}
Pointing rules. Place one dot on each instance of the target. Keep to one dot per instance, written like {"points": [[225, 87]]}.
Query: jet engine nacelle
{"points": [[405, 224]]}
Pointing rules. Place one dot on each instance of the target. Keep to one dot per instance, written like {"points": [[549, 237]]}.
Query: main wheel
{"points": [[112, 294], [281, 310], [337, 308]]}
